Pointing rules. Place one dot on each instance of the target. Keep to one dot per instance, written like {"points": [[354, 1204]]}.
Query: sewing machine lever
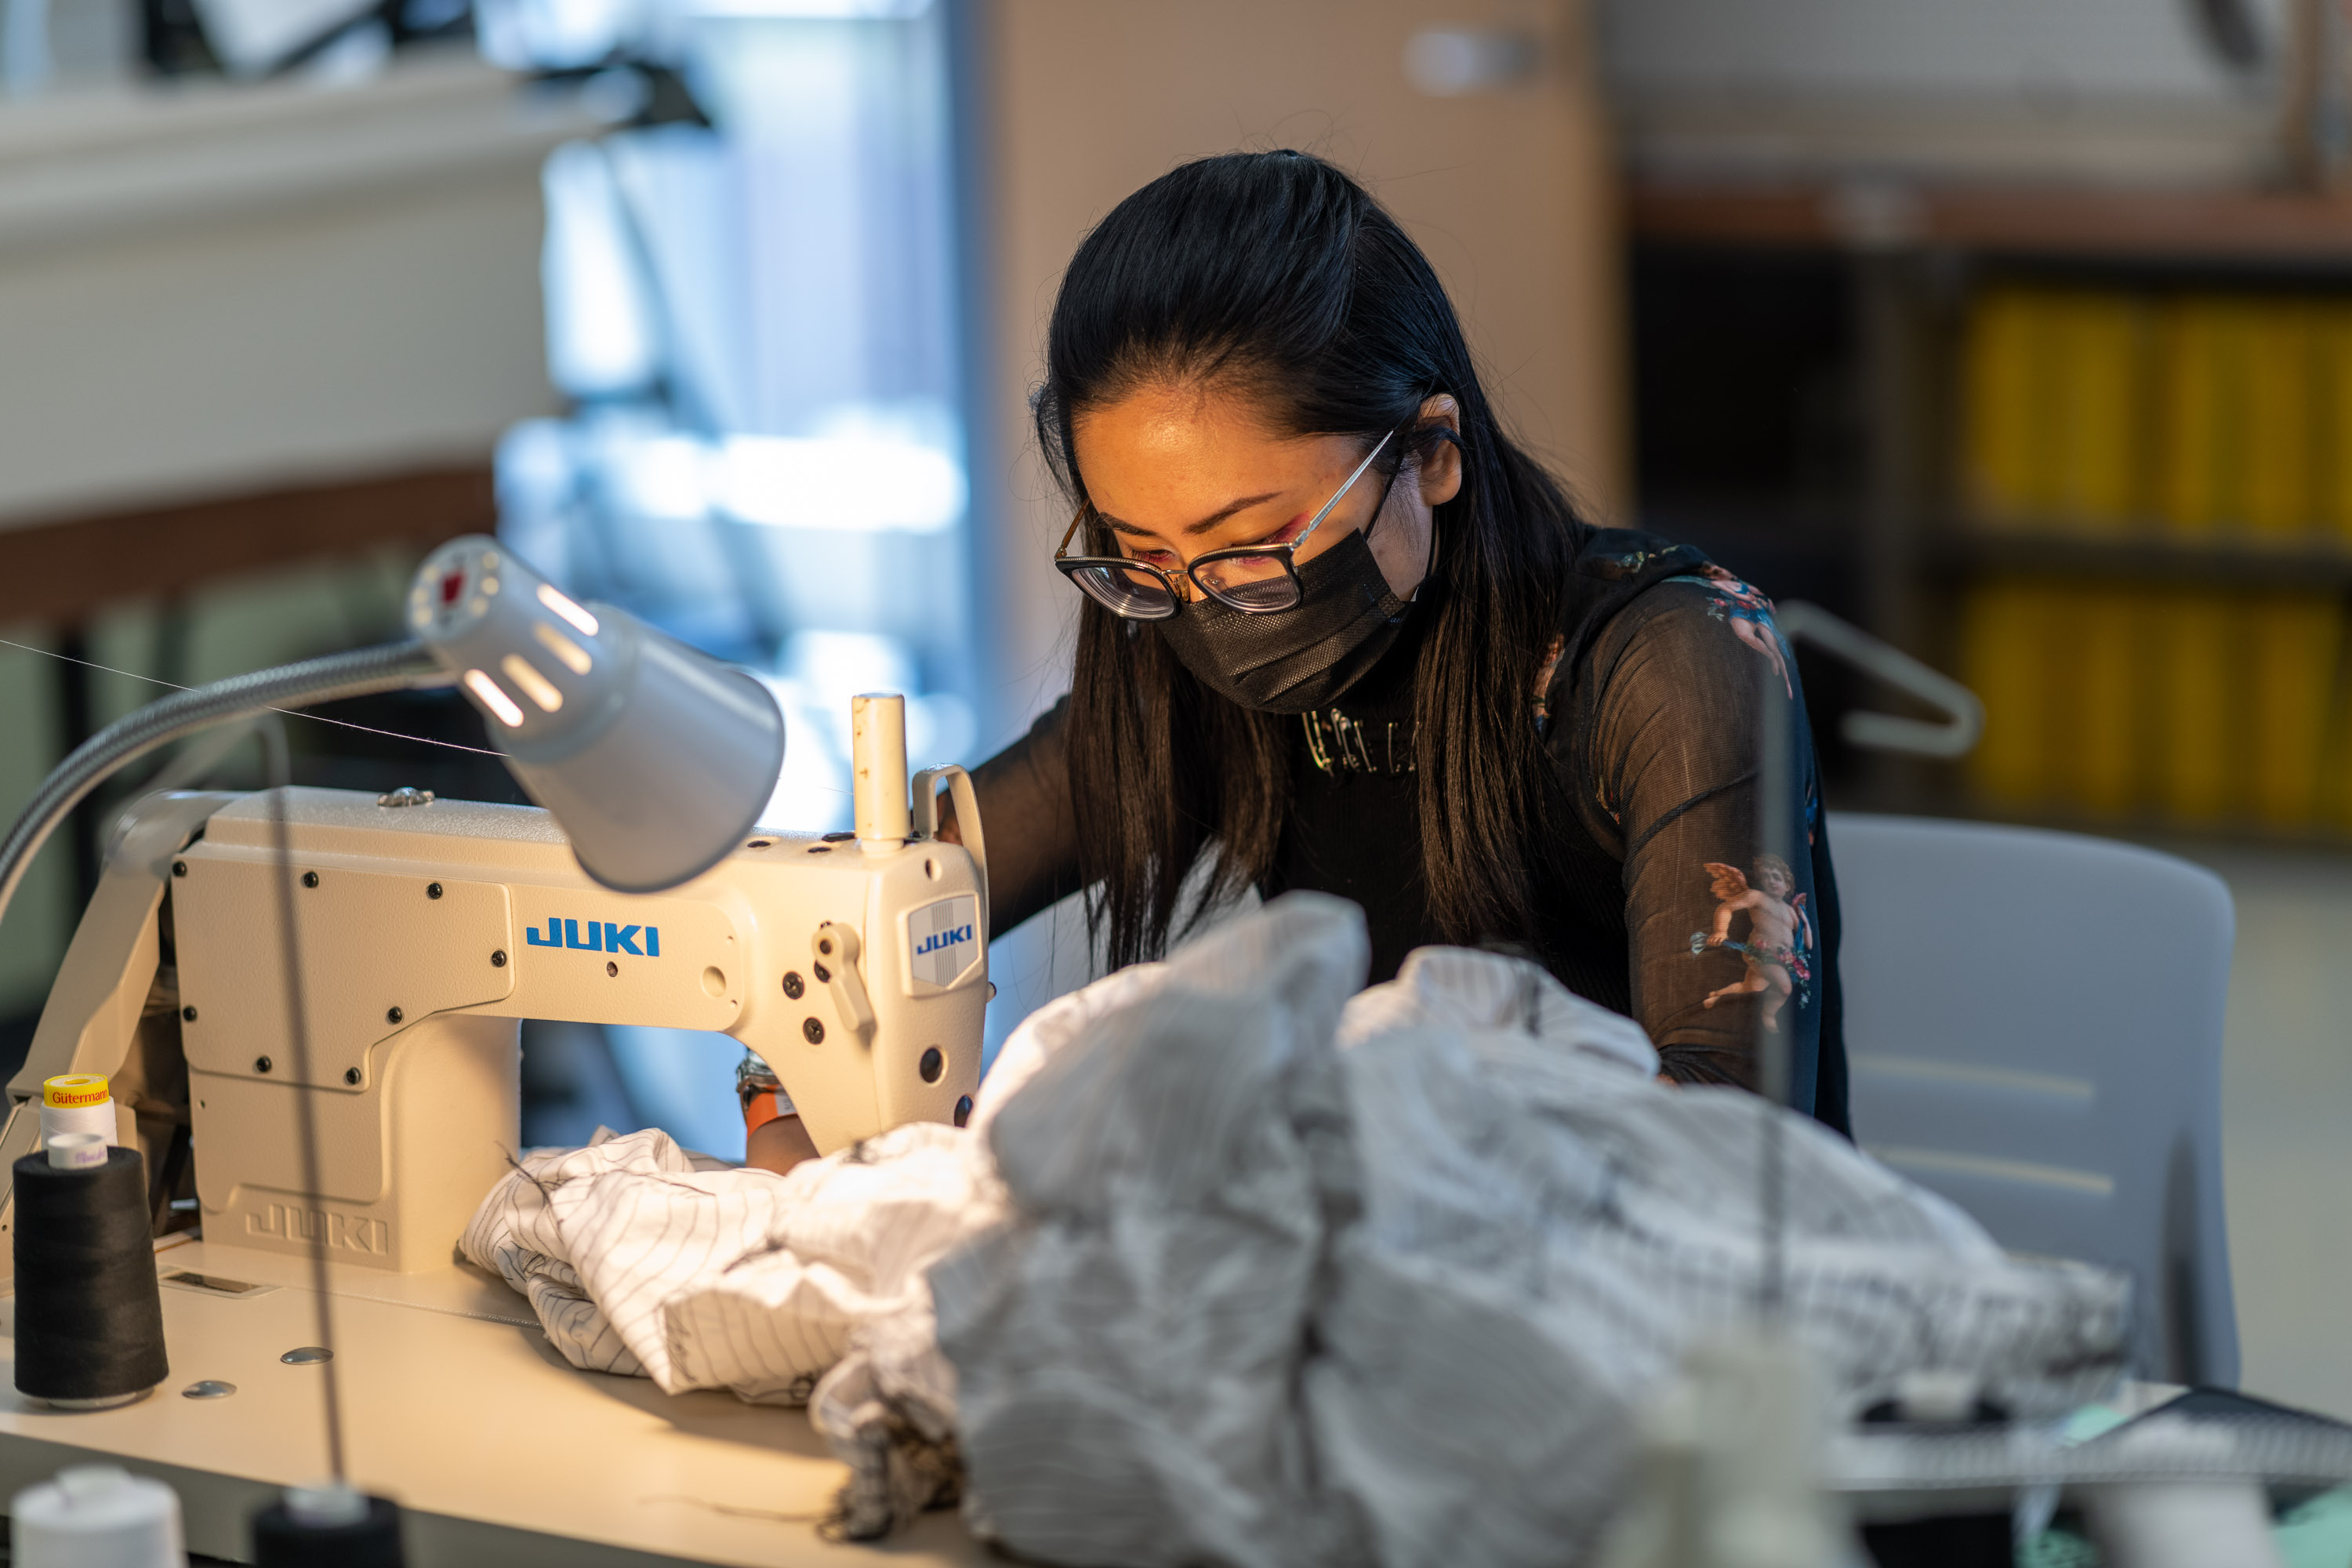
{"points": [[837, 964]]}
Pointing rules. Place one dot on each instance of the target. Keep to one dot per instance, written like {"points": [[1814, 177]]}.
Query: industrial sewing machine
{"points": [[424, 930], [265, 973]]}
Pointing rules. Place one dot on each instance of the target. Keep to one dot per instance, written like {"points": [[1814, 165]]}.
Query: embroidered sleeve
{"points": [[1722, 941]]}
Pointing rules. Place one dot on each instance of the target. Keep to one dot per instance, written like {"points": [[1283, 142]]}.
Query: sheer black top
{"points": [[1660, 905]]}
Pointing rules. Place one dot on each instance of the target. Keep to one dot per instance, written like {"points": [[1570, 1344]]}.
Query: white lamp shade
{"points": [[656, 759]]}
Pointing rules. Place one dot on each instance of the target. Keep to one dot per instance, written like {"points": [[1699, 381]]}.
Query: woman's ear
{"points": [[1441, 470]]}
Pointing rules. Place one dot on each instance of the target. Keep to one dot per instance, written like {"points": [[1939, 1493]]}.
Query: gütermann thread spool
{"points": [[90, 1315], [76, 1102]]}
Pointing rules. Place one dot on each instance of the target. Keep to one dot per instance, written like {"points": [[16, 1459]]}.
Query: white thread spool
{"points": [[77, 1150], [878, 747], [2186, 1523], [97, 1516], [76, 1102], [2186, 1520]]}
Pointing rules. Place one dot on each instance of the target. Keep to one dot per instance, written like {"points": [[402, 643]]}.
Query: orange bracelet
{"points": [[760, 1108]]}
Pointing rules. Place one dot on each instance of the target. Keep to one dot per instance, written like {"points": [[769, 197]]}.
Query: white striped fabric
{"points": [[1297, 1278], [1239, 1266], [637, 1262]]}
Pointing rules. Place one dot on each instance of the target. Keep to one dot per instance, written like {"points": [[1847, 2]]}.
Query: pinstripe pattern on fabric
{"points": [[1240, 1264], [1288, 1282], [639, 1263]]}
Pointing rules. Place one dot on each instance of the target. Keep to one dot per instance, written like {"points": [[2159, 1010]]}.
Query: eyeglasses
{"points": [[1256, 579]]}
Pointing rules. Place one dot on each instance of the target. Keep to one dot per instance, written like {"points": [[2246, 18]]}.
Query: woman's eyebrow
{"points": [[1206, 523]]}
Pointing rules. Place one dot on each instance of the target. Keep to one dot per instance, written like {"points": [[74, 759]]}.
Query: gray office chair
{"points": [[2034, 1021]]}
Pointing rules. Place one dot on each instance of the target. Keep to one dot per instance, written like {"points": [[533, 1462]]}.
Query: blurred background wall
{"points": [[1508, 185], [2019, 331]]}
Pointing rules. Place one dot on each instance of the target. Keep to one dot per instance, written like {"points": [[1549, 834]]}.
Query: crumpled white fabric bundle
{"points": [[1289, 1277], [643, 1259], [1239, 1266]]}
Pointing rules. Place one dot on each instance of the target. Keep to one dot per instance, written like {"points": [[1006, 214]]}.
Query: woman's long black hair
{"points": [[1275, 276]]}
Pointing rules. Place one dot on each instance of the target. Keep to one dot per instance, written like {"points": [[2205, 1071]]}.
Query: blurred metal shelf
{"points": [[62, 572], [2146, 554], [76, 167], [229, 289], [2210, 223]]}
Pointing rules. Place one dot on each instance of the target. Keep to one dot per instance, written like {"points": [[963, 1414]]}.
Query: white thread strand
{"points": [[292, 713]]}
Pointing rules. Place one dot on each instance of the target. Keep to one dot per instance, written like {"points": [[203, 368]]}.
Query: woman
{"points": [[1341, 633]]}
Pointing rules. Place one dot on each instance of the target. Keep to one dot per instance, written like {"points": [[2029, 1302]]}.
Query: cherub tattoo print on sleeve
{"points": [[1776, 956]]}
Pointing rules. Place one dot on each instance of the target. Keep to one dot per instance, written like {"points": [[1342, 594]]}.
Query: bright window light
{"points": [[495, 699], [663, 478], [812, 10], [569, 654], [535, 685], [569, 611], [863, 484]]}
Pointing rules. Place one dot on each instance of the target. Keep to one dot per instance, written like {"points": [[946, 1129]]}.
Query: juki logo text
{"points": [[941, 941], [593, 936]]}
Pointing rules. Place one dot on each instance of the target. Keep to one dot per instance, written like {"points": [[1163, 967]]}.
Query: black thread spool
{"points": [[328, 1528], [90, 1315]]}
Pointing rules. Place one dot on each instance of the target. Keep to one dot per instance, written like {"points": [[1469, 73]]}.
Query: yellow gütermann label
{"points": [[73, 1090]]}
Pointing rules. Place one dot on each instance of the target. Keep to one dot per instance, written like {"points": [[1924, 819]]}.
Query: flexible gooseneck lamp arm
{"points": [[656, 759], [395, 667]]}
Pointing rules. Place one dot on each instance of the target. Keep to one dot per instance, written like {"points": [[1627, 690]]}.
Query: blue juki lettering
{"points": [[653, 942], [620, 939], [554, 937], [938, 939], [595, 943]]}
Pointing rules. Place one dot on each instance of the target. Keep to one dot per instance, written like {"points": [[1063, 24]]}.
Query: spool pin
{"points": [[76, 1151]]}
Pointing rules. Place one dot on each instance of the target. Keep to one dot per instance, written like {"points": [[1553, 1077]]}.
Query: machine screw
{"points": [[932, 1065], [179, 867], [963, 1109], [351, 1077], [813, 1031], [432, 889], [392, 1015], [310, 878], [499, 959], [188, 1013], [261, 1064], [612, 969], [795, 986], [824, 946], [824, 976]]}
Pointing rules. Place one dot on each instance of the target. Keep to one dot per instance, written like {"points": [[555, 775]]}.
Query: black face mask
{"points": [[1298, 660]]}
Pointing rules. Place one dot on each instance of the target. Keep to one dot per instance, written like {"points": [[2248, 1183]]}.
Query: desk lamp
{"points": [[655, 758]]}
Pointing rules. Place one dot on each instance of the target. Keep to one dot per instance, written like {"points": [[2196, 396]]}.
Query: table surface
{"points": [[456, 1407]]}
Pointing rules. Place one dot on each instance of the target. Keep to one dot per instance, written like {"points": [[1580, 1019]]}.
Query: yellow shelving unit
{"points": [[2111, 484]]}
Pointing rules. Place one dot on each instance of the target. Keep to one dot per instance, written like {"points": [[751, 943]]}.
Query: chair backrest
{"points": [[2033, 1022]]}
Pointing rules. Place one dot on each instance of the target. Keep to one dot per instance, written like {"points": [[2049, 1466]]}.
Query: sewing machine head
{"points": [[410, 936]]}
